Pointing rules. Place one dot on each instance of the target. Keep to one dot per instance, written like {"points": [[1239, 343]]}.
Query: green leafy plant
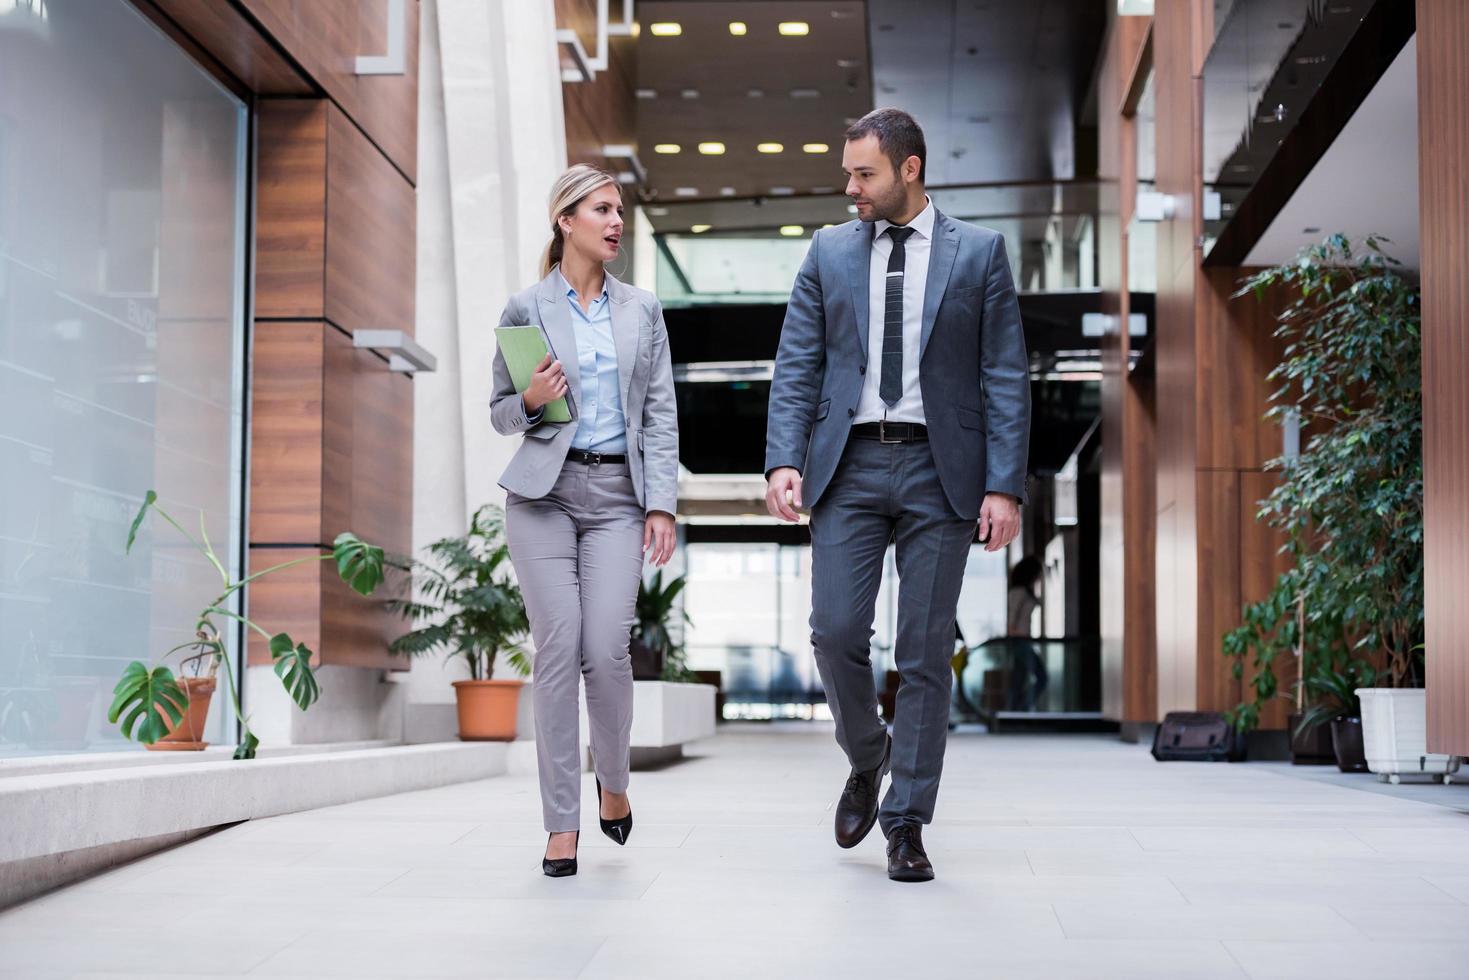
{"points": [[656, 609], [471, 606], [147, 694], [1351, 503], [1333, 692]]}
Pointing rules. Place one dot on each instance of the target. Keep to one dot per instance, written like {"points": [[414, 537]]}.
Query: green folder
{"points": [[524, 349]]}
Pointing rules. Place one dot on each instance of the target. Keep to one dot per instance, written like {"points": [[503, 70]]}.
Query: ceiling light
{"points": [[686, 192], [666, 29], [667, 148], [756, 93], [795, 28], [726, 192], [770, 147], [700, 229], [851, 209], [828, 225], [782, 191], [848, 63], [712, 149], [737, 28], [816, 148], [657, 212], [823, 190], [690, 93], [792, 231], [805, 93], [647, 93]]}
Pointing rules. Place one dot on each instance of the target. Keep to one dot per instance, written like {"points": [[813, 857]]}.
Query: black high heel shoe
{"points": [[618, 829], [560, 867]]}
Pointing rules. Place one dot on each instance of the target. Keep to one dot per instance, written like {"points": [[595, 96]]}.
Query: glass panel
{"points": [[749, 251], [122, 223], [751, 608]]}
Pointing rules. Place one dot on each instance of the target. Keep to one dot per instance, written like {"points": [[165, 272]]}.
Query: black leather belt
{"points": [[594, 459], [891, 432]]}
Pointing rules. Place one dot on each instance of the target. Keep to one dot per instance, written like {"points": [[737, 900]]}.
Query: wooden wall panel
{"points": [[288, 601], [325, 37], [371, 238], [290, 208], [286, 434], [1443, 195], [1237, 350], [1219, 586], [227, 35], [603, 110]]}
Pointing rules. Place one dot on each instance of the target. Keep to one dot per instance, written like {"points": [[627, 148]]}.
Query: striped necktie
{"points": [[890, 388]]}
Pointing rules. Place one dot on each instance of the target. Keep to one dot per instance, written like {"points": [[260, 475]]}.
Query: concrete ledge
{"points": [[666, 714], [53, 813]]}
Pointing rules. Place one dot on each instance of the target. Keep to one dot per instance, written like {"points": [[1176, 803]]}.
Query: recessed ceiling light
{"points": [[657, 212], [700, 229], [851, 209], [782, 191], [792, 231], [828, 225], [686, 191], [726, 192], [816, 148], [848, 63], [690, 93], [794, 28], [667, 148], [756, 93], [647, 93], [805, 93], [666, 29], [823, 190], [711, 149], [738, 28], [770, 147]]}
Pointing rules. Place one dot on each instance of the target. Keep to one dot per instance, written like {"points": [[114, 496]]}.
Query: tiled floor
{"points": [[1057, 857]]}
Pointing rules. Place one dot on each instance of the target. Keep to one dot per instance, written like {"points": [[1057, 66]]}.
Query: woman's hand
{"points": [[547, 384], [658, 535]]}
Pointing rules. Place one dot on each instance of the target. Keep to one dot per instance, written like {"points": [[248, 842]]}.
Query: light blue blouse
{"points": [[601, 427]]}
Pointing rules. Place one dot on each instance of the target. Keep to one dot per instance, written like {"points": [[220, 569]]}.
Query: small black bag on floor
{"points": [[1197, 736]]}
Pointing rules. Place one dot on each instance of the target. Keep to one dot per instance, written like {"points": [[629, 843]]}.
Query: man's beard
{"points": [[889, 205]]}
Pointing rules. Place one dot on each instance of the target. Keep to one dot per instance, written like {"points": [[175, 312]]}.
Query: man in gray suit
{"points": [[900, 410]]}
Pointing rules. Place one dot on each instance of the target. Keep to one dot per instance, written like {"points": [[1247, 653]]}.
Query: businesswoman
{"points": [[587, 499]]}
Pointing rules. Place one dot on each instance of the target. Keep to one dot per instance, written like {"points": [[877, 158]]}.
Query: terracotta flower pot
{"points": [[188, 734], [487, 709]]}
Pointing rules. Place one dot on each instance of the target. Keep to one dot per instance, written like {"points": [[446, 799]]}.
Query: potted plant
{"points": [[155, 706], [1336, 702], [470, 607], [655, 654], [1351, 503]]}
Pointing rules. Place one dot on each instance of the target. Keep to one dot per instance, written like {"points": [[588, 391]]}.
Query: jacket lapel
{"points": [[859, 262], [624, 334], [560, 337], [940, 264]]}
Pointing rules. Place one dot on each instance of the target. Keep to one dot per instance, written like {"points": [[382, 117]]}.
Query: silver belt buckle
{"points": [[595, 459], [882, 434]]}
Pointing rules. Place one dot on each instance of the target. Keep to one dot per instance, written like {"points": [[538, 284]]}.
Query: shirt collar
{"points": [[571, 290], [922, 225]]}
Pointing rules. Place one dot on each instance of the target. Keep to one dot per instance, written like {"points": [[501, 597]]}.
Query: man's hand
{"points": [[999, 520], [547, 384], [783, 493], [658, 535]]}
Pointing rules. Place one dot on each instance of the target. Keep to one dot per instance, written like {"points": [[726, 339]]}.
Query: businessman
{"points": [[899, 411]]}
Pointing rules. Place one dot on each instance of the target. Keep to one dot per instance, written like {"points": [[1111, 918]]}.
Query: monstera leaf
{"points": [[147, 695], [359, 563], [293, 667], [247, 746]]}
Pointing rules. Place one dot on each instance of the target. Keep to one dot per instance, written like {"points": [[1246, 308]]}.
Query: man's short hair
{"points": [[898, 136]]}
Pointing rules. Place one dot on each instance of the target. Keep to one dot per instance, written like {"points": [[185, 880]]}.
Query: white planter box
{"points": [[666, 714], [1395, 734]]}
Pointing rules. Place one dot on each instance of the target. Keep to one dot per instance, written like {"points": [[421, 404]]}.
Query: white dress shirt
{"points": [[909, 408]]}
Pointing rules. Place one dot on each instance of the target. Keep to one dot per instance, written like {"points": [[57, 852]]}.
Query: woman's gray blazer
{"points": [[643, 366]]}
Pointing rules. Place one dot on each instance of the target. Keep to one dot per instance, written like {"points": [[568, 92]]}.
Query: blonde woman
{"points": [[587, 499]]}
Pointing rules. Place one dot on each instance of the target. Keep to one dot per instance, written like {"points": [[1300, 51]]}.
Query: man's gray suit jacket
{"points": [[973, 368], [644, 369]]}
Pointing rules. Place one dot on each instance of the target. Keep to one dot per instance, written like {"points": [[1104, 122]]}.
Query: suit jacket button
{"points": [[851, 413], [862, 369]]}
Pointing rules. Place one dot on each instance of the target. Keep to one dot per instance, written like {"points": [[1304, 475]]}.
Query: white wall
{"points": [[491, 140]]}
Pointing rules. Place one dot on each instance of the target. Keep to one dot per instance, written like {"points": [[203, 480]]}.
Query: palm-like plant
{"points": [[145, 694], [470, 605], [655, 611]]}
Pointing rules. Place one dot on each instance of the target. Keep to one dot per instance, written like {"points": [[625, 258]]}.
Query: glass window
{"points": [[122, 262]]}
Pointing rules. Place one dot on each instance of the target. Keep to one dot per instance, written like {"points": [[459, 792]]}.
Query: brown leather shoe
{"points": [[857, 807], [907, 860]]}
